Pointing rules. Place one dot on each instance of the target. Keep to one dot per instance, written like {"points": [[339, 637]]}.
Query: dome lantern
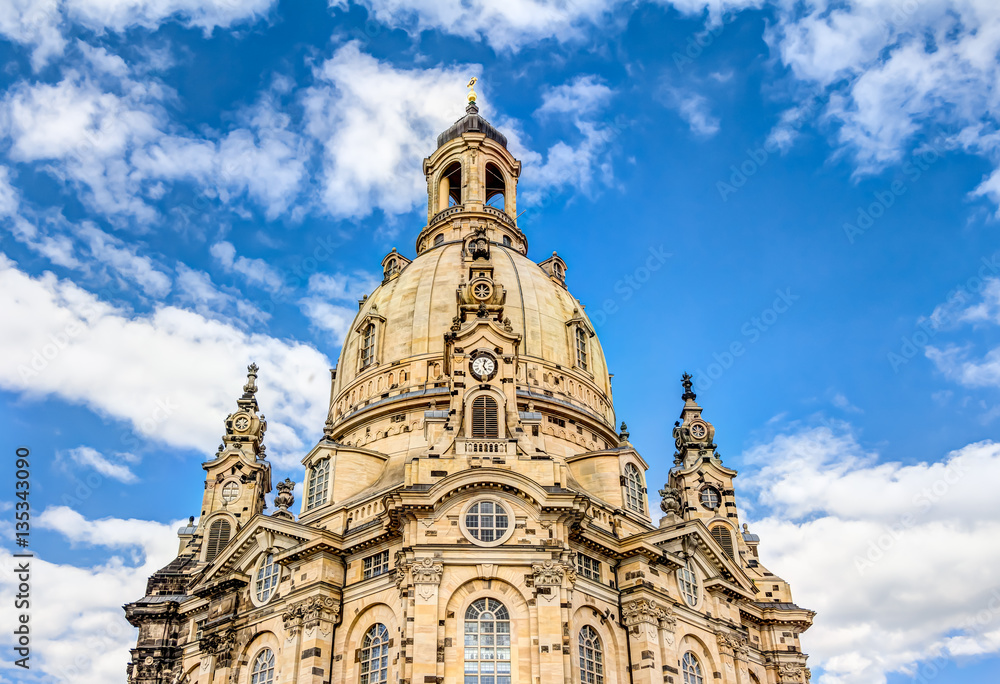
{"points": [[471, 183]]}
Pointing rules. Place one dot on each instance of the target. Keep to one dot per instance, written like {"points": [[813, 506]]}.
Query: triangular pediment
{"points": [[693, 540]]}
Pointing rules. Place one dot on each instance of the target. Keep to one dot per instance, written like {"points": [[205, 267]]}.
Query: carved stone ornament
{"points": [[641, 611], [733, 644], [220, 645], [670, 500], [548, 573], [426, 571], [791, 673], [318, 611], [284, 499]]}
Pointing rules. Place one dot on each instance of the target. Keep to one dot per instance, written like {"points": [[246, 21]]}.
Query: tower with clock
{"points": [[470, 512]]}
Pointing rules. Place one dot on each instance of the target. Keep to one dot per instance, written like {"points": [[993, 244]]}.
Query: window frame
{"points": [[594, 664], [375, 565], [688, 584], [485, 409], [366, 352], [497, 539], [691, 669], [707, 489], [268, 663], [635, 489], [594, 572], [380, 649], [267, 560], [494, 607], [220, 543], [581, 345], [312, 498]]}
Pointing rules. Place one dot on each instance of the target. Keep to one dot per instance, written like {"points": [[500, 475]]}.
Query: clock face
{"points": [[242, 423], [483, 367], [698, 431]]}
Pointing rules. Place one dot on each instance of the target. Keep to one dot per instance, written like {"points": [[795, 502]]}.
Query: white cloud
{"points": [[344, 290], [115, 469], [196, 289], [256, 271], [173, 375], [694, 109], [376, 123], [86, 637], [861, 540], [504, 25]]}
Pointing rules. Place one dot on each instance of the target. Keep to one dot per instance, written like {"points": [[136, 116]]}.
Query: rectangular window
{"points": [[588, 567], [319, 483], [368, 346], [581, 348], [376, 565]]}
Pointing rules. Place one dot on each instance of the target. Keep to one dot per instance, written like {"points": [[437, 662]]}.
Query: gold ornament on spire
{"points": [[472, 92]]}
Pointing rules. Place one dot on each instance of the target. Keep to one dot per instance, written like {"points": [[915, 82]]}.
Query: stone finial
{"points": [[250, 388], [688, 392], [472, 90], [284, 499], [623, 434]]}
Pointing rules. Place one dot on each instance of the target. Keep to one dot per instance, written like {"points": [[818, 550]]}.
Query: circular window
{"points": [[242, 423], [698, 430], [687, 581], [267, 579], [482, 291], [230, 492], [710, 498], [487, 522]]}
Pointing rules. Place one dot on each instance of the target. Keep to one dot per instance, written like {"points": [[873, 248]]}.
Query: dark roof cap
{"points": [[472, 123]]}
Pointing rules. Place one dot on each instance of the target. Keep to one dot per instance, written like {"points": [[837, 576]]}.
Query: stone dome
{"points": [[416, 308]]}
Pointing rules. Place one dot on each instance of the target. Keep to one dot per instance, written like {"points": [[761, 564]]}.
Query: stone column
{"points": [[426, 574], [668, 641], [547, 578], [642, 617], [319, 614]]}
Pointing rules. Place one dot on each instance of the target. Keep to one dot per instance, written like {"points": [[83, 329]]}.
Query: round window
{"points": [[488, 522], [710, 498], [230, 492]]}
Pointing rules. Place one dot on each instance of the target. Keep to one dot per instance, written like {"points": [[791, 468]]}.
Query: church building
{"points": [[472, 513]]}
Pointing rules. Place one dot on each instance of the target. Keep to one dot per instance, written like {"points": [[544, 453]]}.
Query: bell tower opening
{"points": [[450, 187], [496, 187]]}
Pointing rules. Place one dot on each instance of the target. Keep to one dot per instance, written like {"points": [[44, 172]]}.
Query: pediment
{"points": [[693, 540], [260, 534]]}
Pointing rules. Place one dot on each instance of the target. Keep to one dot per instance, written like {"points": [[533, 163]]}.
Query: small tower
{"points": [[237, 479], [700, 487], [471, 174]]}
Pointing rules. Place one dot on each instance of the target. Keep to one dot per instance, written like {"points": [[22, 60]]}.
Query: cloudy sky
{"points": [[189, 185]]}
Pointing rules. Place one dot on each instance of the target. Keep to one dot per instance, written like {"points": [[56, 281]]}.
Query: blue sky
{"points": [[188, 186]]}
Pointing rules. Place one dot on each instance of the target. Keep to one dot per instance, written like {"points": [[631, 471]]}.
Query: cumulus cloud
{"points": [[834, 514], [173, 374], [82, 634], [503, 25], [331, 304], [115, 467]]}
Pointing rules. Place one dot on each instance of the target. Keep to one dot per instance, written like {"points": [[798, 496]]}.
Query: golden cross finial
{"points": [[472, 92]]}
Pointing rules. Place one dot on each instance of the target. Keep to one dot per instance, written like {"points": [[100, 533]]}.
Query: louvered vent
{"points": [[218, 537], [721, 535], [484, 418]]}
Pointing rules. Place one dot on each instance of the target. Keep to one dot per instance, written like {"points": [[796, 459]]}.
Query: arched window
{"points": [[368, 346], [218, 537], [319, 481], [591, 660], [720, 533], [267, 578], [487, 643], [496, 187], [262, 671], [691, 669], [439, 239], [450, 189], [687, 581], [633, 489], [375, 655], [507, 242], [391, 267], [485, 423], [754, 679], [581, 347]]}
